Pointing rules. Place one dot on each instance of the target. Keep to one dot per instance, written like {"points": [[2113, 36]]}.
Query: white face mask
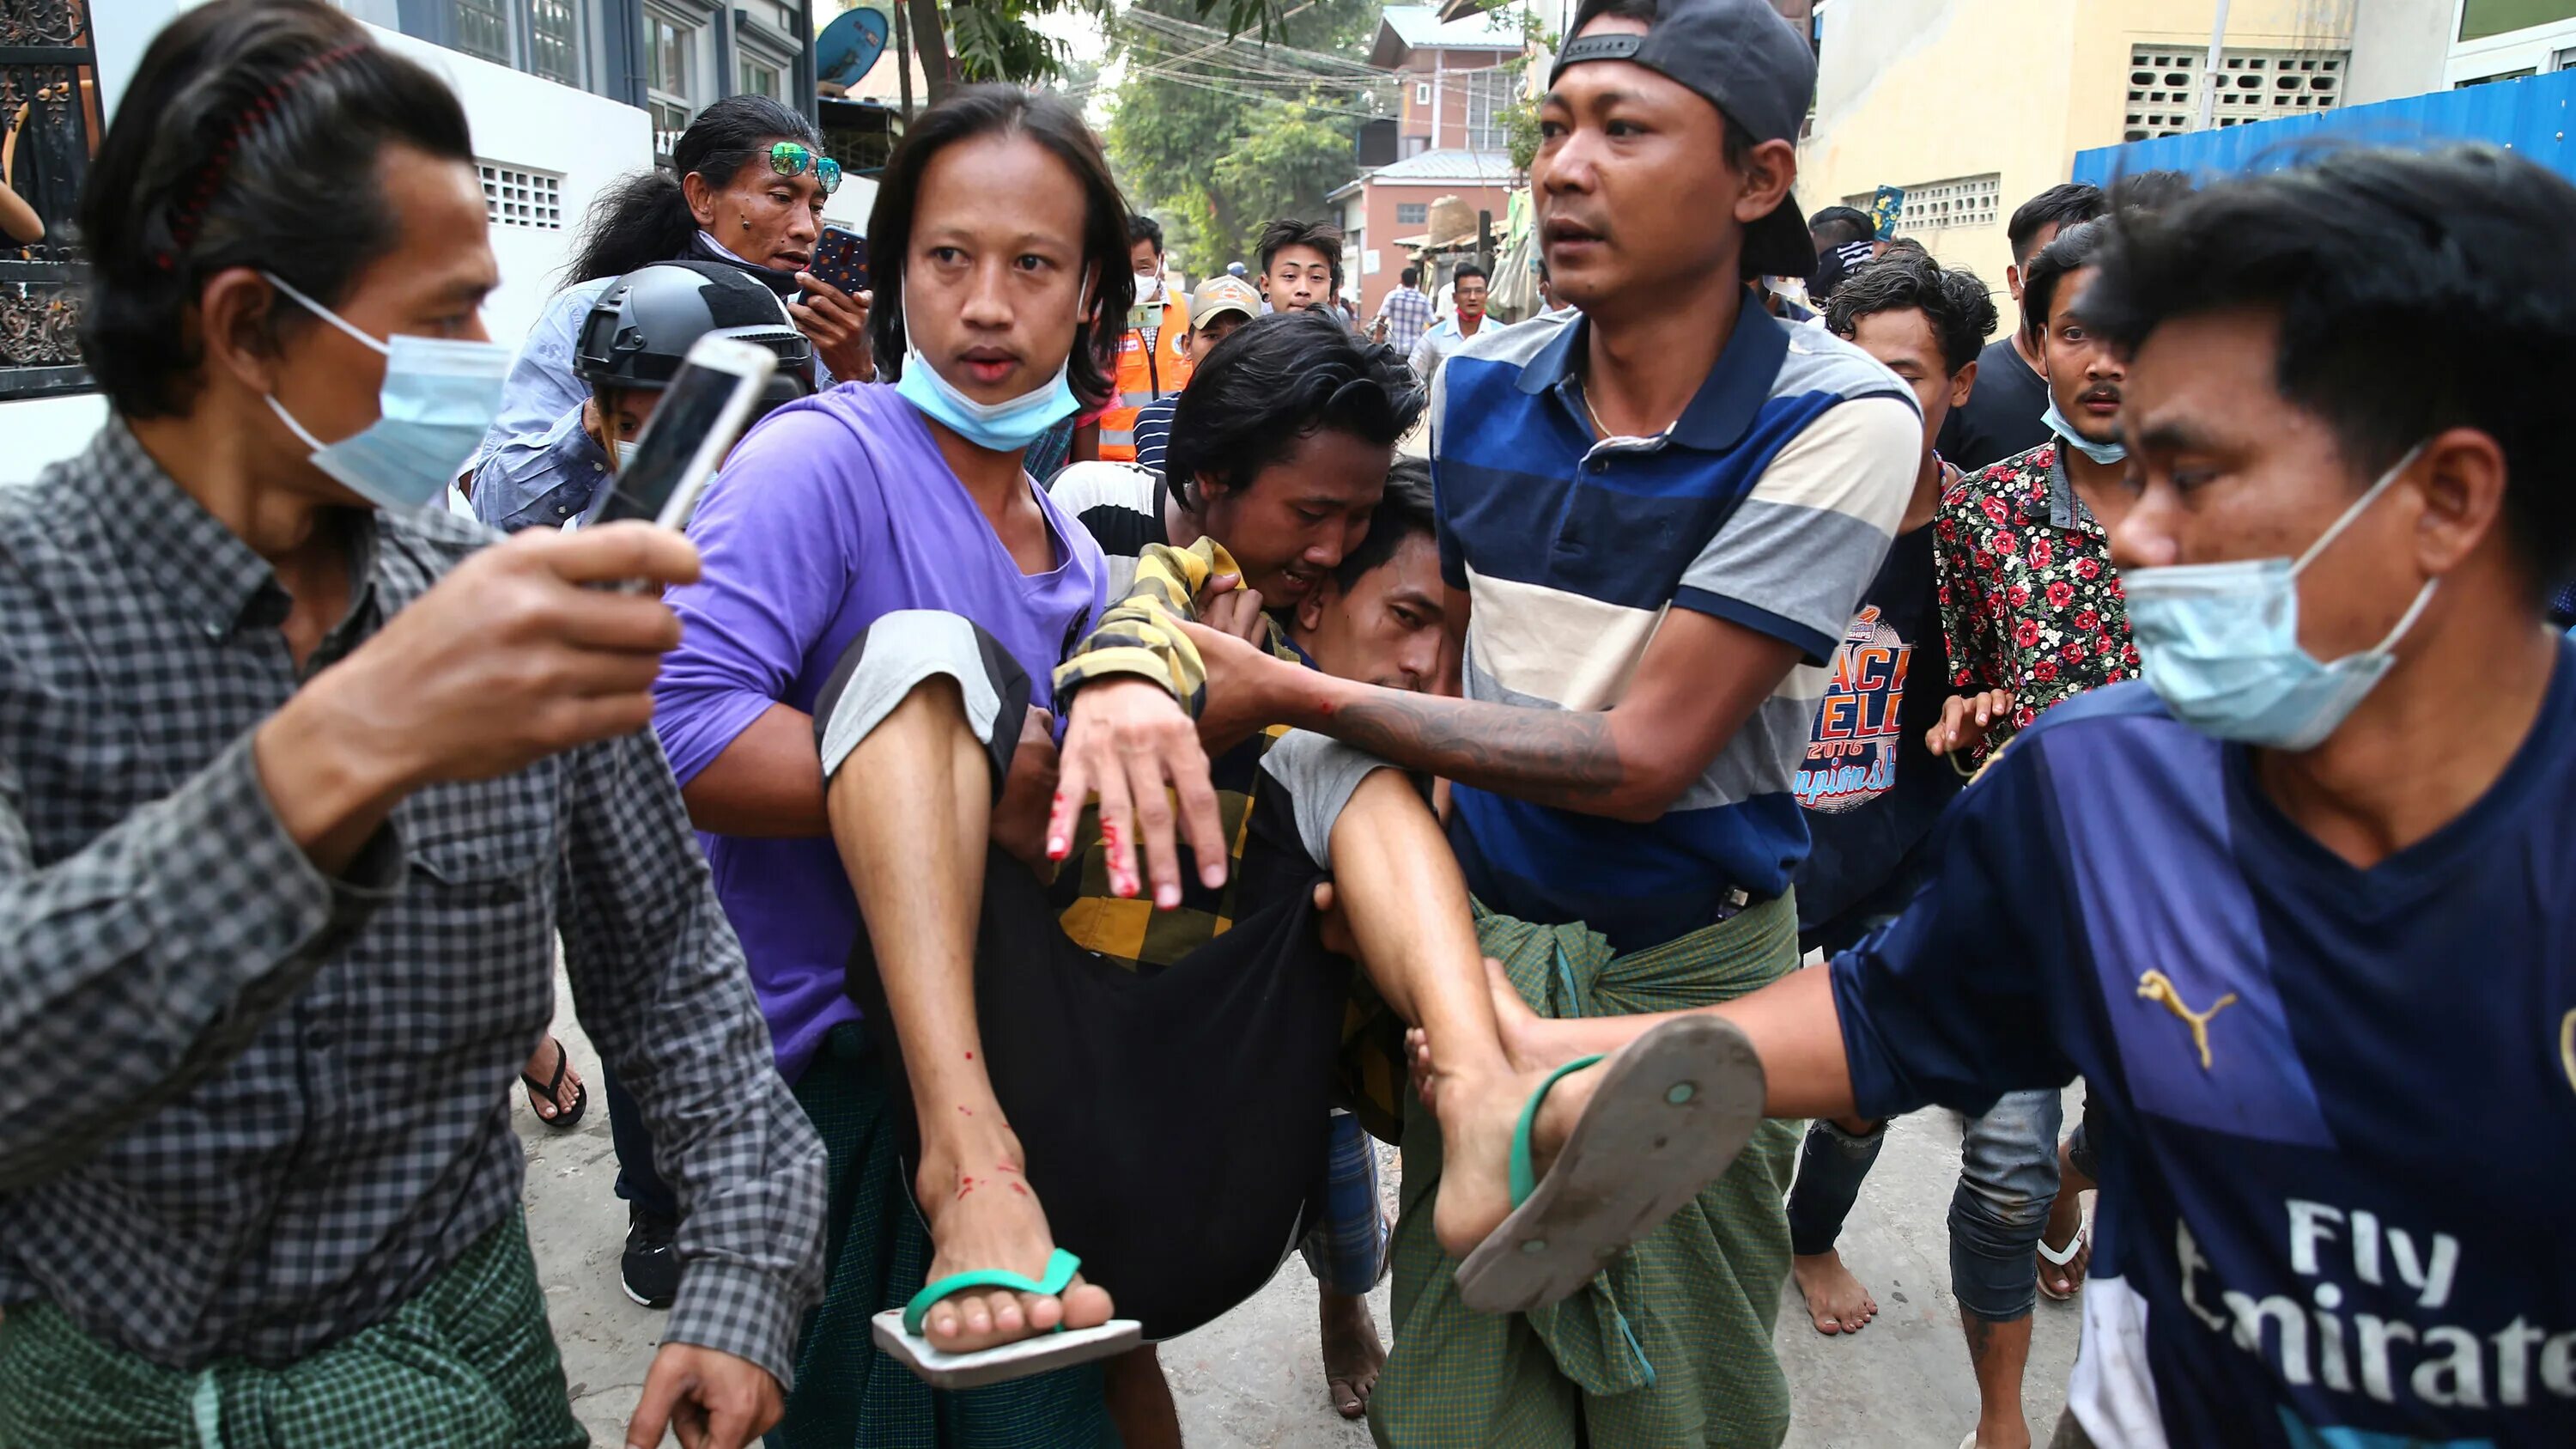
{"points": [[2220, 643], [1150, 291], [438, 398]]}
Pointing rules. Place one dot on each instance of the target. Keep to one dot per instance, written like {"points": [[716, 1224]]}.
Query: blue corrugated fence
{"points": [[2531, 116]]}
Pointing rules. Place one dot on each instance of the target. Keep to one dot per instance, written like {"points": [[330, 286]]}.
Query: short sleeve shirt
{"points": [[2334, 1107], [1769, 504], [835, 511]]}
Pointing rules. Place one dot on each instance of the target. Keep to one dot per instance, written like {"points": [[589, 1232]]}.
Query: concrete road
{"points": [[1252, 1380]]}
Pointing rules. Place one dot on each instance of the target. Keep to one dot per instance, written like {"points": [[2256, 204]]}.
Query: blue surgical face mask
{"points": [[1003, 427], [2221, 644], [438, 398], [2111, 452]]}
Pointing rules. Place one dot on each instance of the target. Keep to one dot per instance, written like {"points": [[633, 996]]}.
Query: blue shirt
{"points": [[1768, 504], [2344, 1224], [543, 481]]}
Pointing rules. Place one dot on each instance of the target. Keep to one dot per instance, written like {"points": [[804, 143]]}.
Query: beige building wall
{"points": [[1913, 93]]}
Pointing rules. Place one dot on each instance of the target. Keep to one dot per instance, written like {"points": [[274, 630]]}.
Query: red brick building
{"points": [[1451, 137]]}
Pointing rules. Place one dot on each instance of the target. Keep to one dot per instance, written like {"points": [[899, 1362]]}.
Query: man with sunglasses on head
{"points": [[746, 190]]}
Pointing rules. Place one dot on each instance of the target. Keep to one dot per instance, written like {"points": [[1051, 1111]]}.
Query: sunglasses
{"points": [[790, 158]]}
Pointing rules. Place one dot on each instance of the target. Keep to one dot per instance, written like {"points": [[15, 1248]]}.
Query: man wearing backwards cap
{"points": [[1654, 509], [1221, 305]]}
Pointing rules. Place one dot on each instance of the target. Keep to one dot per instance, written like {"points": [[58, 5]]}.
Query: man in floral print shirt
{"points": [[2030, 604], [2032, 613]]}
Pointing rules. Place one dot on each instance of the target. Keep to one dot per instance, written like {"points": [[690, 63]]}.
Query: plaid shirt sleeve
{"points": [[659, 977], [153, 956]]}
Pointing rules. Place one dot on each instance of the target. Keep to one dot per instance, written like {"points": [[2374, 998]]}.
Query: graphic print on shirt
{"points": [[1851, 755]]}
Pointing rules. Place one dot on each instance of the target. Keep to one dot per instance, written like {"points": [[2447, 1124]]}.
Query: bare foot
{"points": [[1835, 1299], [986, 1216], [1352, 1353]]}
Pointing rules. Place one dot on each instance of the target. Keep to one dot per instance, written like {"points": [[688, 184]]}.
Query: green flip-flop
{"points": [[1674, 1110], [898, 1331]]}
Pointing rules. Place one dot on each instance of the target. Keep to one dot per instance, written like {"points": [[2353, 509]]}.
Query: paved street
{"points": [[1251, 1380]]}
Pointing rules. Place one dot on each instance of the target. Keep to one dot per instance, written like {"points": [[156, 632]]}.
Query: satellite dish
{"points": [[848, 47]]}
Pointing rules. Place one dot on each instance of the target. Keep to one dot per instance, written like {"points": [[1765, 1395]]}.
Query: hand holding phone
{"points": [[841, 258]]}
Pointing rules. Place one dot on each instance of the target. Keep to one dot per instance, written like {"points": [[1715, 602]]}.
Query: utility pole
{"points": [[2214, 74], [903, 57]]}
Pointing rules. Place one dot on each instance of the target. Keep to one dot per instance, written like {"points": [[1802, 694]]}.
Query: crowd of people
{"points": [[1081, 782]]}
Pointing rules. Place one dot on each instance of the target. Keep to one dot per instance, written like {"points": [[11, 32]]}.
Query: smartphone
{"points": [[1037, 1354], [700, 415], [841, 258]]}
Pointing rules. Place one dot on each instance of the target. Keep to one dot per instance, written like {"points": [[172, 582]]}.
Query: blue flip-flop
{"points": [[1675, 1108], [898, 1331]]}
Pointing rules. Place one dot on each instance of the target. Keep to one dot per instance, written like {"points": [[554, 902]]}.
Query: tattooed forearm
{"points": [[1554, 757]]}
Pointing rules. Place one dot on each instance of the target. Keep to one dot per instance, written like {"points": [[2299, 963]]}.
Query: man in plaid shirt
{"points": [[296, 794], [1405, 314]]}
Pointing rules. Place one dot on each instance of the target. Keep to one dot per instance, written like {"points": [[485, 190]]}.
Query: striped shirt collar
{"points": [[1723, 409]]}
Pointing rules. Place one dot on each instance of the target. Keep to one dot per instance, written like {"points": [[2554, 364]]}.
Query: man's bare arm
{"points": [[1700, 680]]}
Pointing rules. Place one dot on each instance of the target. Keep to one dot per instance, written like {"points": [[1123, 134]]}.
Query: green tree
{"points": [[1220, 136]]}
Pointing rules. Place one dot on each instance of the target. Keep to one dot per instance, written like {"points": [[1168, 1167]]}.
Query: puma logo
{"points": [[2157, 986]]}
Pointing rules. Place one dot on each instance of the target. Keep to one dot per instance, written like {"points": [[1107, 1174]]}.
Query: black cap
{"points": [[643, 325], [1749, 63]]}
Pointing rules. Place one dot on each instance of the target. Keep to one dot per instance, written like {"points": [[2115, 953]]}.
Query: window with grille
{"points": [[2253, 85], [1413, 213], [517, 196], [481, 29], [1489, 97], [1941, 205], [554, 40]]}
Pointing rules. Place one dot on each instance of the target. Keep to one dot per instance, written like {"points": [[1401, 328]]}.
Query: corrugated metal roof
{"points": [[1420, 26], [1484, 168]]}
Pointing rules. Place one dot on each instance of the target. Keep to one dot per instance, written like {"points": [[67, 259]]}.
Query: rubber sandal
{"points": [[898, 1332], [2062, 1257], [560, 1121], [1673, 1112]]}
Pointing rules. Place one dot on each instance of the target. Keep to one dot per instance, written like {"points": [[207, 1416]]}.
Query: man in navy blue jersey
{"points": [[2301, 906]]}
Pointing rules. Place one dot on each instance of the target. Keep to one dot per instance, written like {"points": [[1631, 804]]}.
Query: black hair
{"points": [[1469, 269], [1141, 227], [2149, 190], [1907, 244], [2066, 204], [1287, 231], [1403, 512], [1410, 276], [1277, 379], [2416, 292], [969, 113], [2072, 250], [645, 218], [1840, 226], [1957, 305], [250, 136]]}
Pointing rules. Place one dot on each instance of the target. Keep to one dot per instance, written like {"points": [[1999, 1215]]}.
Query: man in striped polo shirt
{"points": [[1656, 517]]}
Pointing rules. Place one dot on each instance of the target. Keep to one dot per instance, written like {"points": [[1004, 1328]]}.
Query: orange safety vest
{"points": [[1144, 374]]}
